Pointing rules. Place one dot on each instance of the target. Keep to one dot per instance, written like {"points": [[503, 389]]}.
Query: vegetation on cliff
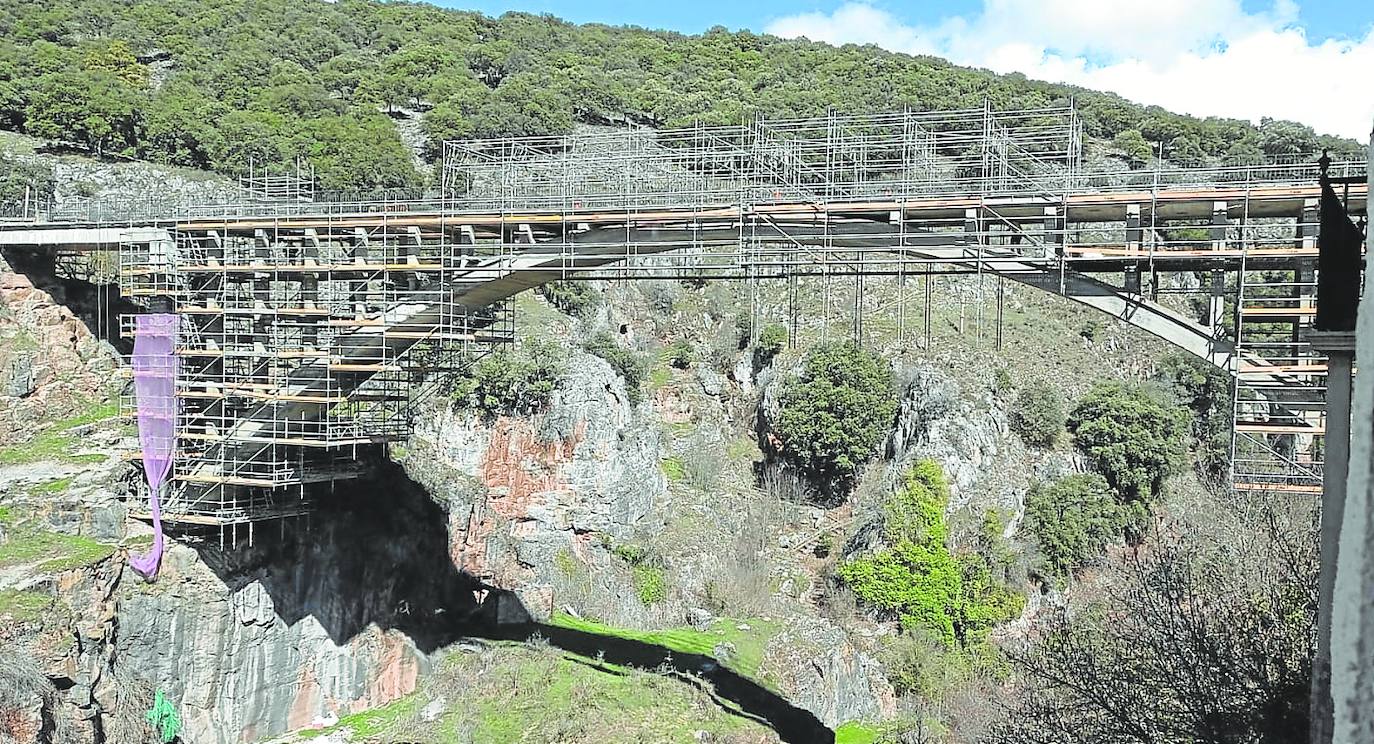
{"points": [[834, 414]]}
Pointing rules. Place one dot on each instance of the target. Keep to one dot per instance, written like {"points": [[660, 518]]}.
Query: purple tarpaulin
{"points": [[155, 371]]}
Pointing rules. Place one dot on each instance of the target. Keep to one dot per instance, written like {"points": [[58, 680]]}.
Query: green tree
{"points": [[1133, 436], [1207, 391], [834, 414], [1132, 144], [916, 578], [94, 109], [1073, 520], [772, 340], [1038, 414]]}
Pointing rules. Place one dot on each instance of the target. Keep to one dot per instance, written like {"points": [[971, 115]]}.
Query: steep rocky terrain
{"points": [[630, 550]]}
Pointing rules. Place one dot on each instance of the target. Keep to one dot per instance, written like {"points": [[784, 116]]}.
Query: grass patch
{"points": [[660, 376], [56, 442], [749, 644], [373, 721], [53, 486], [22, 606], [52, 551], [529, 693], [94, 413], [673, 468], [854, 732]]}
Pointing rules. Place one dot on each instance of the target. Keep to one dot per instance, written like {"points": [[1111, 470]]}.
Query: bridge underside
{"points": [[311, 332]]}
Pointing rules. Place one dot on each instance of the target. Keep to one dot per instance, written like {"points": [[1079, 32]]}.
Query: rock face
{"points": [[48, 356], [824, 672], [311, 622], [519, 492]]}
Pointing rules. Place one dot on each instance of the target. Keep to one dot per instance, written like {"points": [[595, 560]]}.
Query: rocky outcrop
{"points": [[521, 491], [49, 359], [823, 671]]}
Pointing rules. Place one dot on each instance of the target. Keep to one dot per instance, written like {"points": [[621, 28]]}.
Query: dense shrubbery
{"points": [[833, 416], [1132, 435], [1207, 391], [1074, 519], [278, 79], [510, 381], [1038, 414], [572, 297], [631, 366], [916, 578]]}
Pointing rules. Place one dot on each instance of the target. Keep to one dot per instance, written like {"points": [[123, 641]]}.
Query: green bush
{"points": [[572, 297], [646, 572], [1207, 391], [1038, 414], [835, 413], [650, 584], [680, 354], [511, 381], [1074, 519], [631, 366], [772, 340], [916, 578], [1133, 436]]}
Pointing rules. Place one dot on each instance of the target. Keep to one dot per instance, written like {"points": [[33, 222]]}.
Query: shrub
{"points": [[772, 339], [1131, 436], [646, 572], [650, 584], [511, 381], [1038, 414], [918, 580], [626, 363], [680, 354], [1001, 381], [1207, 391], [835, 413], [572, 297], [1074, 519]]}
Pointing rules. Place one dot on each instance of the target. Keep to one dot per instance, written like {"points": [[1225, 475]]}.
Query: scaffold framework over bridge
{"points": [[311, 329]]}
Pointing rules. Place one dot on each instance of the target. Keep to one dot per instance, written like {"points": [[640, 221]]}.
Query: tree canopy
{"points": [[211, 83]]}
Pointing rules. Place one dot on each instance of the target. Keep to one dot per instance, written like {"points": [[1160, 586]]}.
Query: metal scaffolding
{"points": [[310, 329]]}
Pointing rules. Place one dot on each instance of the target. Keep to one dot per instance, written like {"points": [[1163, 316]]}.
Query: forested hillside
{"points": [[213, 83]]}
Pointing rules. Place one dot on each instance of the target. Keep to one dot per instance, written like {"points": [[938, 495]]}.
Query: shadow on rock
{"points": [[376, 552]]}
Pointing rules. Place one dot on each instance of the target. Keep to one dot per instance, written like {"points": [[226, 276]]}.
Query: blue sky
{"points": [[1322, 19], [1308, 60]]}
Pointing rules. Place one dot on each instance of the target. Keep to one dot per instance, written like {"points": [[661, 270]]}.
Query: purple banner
{"points": [[155, 373]]}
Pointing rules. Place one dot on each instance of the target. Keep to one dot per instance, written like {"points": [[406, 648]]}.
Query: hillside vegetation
{"points": [[219, 83]]}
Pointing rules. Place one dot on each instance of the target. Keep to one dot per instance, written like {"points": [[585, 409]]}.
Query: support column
{"points": [[1352, 634], [1340, 347], [1135, 234], [1216, 304], [1054, 231], [1217, 233]]}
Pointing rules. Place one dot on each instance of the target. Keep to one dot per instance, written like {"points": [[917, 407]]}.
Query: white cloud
{"points": [[1202, 57]]}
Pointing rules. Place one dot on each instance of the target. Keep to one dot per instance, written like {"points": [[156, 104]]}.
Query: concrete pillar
{"points": [[1216, 304], [1217, 232], [1341, 352], [1352, 623], [1135, 234], [1054, 230]]}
